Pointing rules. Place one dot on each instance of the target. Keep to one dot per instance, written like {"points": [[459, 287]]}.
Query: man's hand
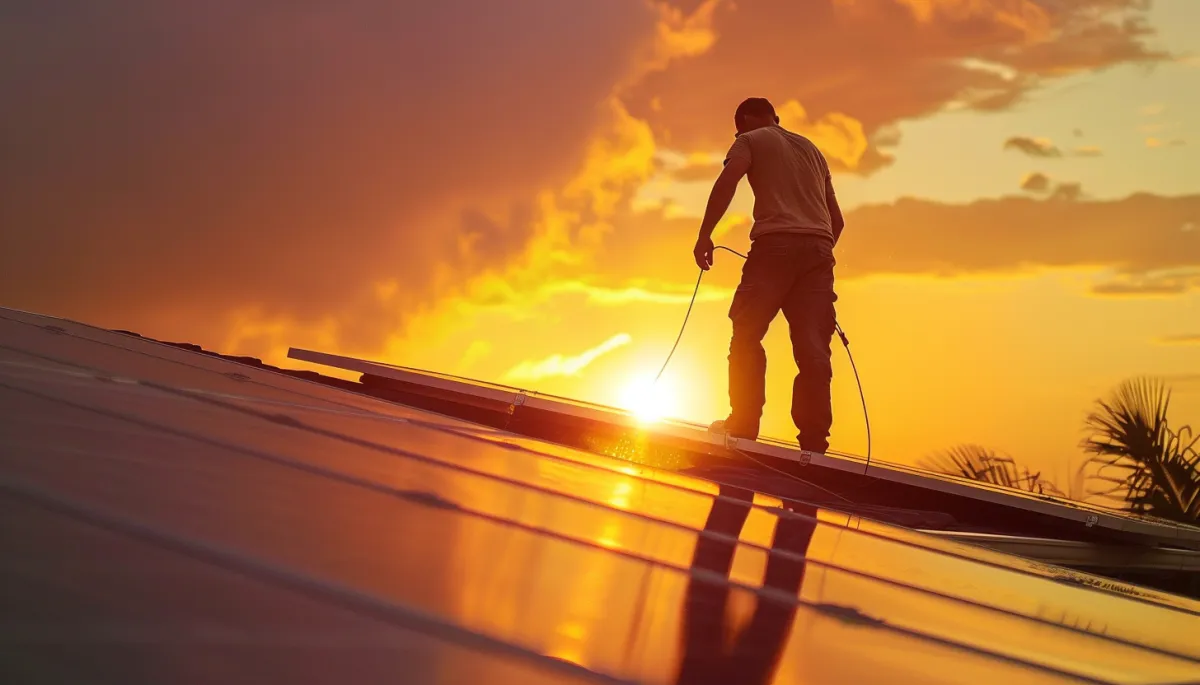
{"points": [[718, 201], [703, 252]]}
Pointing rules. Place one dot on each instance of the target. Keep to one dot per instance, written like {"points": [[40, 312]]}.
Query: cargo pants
{"points": [[792, 273]]}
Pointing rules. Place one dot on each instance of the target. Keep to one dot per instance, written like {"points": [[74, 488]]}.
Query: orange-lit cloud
{"points": [[840, 137], [907, 59], [1040, 183], [194, 166], [1045, 148], [1068, 190], [560, 365], [704, 171], [1034, 147], [1142, 238], [1167, 283], [359, 175], [1035, 182], [1181, 339], [1174, 142], [662, 294]]}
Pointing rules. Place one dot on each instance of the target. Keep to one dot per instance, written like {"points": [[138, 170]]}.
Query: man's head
{"points": [[754, 113]]}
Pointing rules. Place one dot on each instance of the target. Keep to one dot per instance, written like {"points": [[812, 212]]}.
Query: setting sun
{"points": [[649, 401]]}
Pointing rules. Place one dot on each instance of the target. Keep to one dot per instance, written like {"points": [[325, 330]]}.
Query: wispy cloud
{"points": [[657, 294], [1034, 147], [705, 171], [1046, 149], [1167, 283], [1180, 339], [560, 365], [1156, 142]]}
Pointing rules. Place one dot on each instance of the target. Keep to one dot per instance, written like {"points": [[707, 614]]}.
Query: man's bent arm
{"points": [[836, 220], [722, 194]]}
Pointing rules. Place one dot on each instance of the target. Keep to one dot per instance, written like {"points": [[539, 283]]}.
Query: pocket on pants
{"points": [[741, 297], [825, 250]]}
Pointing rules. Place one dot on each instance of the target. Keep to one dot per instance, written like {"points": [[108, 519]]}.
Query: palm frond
{"points": [[1154, 468], [984, 465]]}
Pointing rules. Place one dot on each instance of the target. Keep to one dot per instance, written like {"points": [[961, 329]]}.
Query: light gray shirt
{"points": [[790, 179]]}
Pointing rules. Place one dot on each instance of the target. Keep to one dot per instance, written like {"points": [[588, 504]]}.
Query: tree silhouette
{"points": [[1145, 466], [982, 464], [1154, 469]]}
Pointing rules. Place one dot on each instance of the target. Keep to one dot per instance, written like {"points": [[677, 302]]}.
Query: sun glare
{"points": [[649, 401]]}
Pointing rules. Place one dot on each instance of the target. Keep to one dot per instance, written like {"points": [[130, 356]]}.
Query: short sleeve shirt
{"points": [[790, 179]]}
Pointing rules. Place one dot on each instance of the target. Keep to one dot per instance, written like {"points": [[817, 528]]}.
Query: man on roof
{"points": [[797, 222]]}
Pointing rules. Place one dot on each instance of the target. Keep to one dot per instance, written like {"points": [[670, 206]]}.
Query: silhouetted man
{"points": [[797, 222]]}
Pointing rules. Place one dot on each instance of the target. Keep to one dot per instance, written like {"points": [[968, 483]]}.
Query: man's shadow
{"points": [[755, 652]]}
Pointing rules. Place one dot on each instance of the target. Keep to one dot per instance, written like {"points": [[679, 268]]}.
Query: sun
{"points": [[648, 401]]}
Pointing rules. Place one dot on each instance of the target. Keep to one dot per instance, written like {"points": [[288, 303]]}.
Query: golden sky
{"points": [[511, 191]]}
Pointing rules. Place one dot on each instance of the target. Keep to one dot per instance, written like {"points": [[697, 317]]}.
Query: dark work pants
{"points": [[792, 273]]}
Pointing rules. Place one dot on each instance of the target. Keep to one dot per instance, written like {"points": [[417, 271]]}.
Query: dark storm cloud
{"points": [[166, 156]]}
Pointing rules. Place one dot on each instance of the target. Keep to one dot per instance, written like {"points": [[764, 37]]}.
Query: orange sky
{"points": [[511, 191]]}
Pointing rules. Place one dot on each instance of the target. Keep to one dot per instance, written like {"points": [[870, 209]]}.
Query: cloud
{"points": [[1035, 182], [1182, 381], [1180, 339], [196, 166], [348, 173], [907, 59], [617, 296], [1175, 142], [1137, 239], [1148, 285], [706, 172], [559, 365], [1152, 110], [1070, 191], [840, 137], [608, 292], [476, 351], [1034, 147], [1045, 148], [1039, 183]]}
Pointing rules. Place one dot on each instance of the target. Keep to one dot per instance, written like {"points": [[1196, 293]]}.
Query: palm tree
{"points": [[1154, 469], [982, 464]]}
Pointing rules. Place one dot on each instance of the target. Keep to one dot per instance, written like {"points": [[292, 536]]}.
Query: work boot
{"points": [[721, 427]]}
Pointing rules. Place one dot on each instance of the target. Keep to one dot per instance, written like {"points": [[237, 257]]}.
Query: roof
{"points": [[840, 480], [172, 516]]}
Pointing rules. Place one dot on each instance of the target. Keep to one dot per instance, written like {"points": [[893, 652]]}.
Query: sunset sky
{"points": [[511, 190]]}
